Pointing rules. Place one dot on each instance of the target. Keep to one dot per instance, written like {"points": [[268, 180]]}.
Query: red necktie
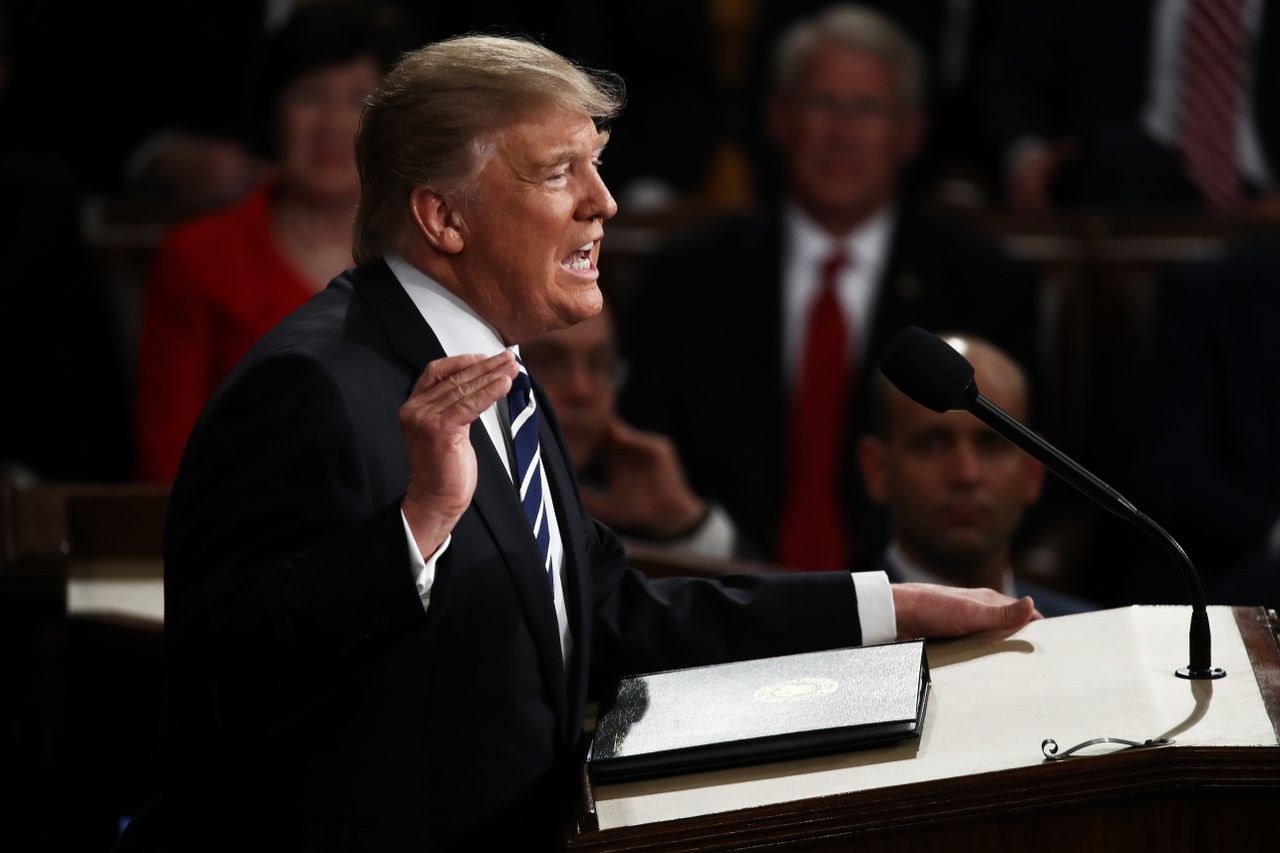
{"points": [[813, 534], [1213, 72]]}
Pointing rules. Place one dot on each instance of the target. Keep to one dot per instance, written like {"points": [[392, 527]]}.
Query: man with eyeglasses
{"points": [[630, 479], [761, 377]]}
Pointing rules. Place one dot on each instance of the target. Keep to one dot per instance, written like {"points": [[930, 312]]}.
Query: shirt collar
{"points": [[911, 572], [867, 246], [458, 327]]}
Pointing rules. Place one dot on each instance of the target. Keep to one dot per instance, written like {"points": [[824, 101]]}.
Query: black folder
{"points": [[687, 720]]}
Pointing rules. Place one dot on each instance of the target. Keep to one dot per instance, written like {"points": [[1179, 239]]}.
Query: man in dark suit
{"points": [[956, 490], [384, 599], [1089, 101], [730, 378], [1210, 461]]}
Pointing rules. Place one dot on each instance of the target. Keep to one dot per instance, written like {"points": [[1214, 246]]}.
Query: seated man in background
{"points": [[955, 490], [629, 479], [761, 381], [1175, 106]]}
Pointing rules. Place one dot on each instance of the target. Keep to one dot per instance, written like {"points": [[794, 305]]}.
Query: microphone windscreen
{"points": [[925, 368]]}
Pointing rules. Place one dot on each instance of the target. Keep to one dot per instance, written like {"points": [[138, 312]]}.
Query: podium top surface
{"points": [[995, 699]]}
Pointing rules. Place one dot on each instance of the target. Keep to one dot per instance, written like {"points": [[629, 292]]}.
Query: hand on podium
{"points": [[930, 610]]}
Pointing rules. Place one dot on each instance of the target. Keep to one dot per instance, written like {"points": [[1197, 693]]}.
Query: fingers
{"points": [[623, 440], [459, 388], [1017, 613], [624, 436], [926, 610]]}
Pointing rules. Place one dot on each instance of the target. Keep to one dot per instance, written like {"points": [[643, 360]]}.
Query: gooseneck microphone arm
{"points": [[929, 371], [1114, 502]]}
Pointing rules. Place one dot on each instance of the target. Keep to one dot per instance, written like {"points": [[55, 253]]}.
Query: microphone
{"points": [[927, 369]]}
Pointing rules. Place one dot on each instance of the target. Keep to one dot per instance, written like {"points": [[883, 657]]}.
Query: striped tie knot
{"points": [[521, 387]]}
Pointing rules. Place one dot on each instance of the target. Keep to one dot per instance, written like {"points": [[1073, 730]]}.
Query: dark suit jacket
{"points": [[1211, 470], [311, 703], [1080, 69], [704, 342]]}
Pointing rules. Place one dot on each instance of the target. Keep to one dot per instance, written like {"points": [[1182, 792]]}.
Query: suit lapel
{"points": [[759, 356], [495, 499], [499, 507], [409, 335], [900, 290]]}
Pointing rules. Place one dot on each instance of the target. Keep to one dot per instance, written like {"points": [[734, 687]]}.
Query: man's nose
{"points": [[597, 202], [966, 465]]}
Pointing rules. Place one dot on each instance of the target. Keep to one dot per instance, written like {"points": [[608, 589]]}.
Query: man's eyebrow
{"points": [[568, 155], [556, 158]]}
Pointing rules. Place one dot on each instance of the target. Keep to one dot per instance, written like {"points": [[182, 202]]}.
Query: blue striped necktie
{"points": [[523, 411]]}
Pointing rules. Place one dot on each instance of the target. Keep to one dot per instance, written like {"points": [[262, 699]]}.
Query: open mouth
{"points": [[580, 259]]}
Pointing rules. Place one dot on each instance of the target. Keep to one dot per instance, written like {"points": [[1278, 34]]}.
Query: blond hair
{"points": [[433, 119]]}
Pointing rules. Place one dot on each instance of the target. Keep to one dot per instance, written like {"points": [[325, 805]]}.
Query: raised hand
{"points": [[435, 423]]}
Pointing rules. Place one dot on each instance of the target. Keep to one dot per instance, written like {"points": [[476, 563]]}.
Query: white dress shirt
{"points": [[461, 331], [911, 572], [1160, 116], [806, 246]]}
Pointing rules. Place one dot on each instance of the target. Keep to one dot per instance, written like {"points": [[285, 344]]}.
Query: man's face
{"points": [[578, 367], [955, 490], [532, 226], [844, 132]]}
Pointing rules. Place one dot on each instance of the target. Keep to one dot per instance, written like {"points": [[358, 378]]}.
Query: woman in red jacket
{"points": [[220, 282]]}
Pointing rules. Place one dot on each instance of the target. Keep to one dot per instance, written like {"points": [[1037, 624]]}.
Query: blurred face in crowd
{"points": [[845, 132], [318, 115], [531, 225], [579, 369], [955, 491]]}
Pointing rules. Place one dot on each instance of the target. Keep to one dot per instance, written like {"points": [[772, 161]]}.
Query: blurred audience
{"points": [[146, 95], [629, 479], [219, 283], [1211, 471], [1157, 102], [761, 380], [954, 489], [63, 414]]}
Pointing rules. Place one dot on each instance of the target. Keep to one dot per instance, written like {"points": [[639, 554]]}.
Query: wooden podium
{"points": [[80, 575], [978, 778]]}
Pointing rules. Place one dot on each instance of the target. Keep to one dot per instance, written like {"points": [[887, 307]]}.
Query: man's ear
{"points": [[871, 452], [437, 220]]}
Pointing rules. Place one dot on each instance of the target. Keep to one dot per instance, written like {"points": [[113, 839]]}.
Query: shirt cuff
{"points": [[714, 537], [876, 614], [424, 571]]}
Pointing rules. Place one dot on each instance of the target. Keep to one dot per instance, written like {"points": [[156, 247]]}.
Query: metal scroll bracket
{"points": [[1050, 746]]}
